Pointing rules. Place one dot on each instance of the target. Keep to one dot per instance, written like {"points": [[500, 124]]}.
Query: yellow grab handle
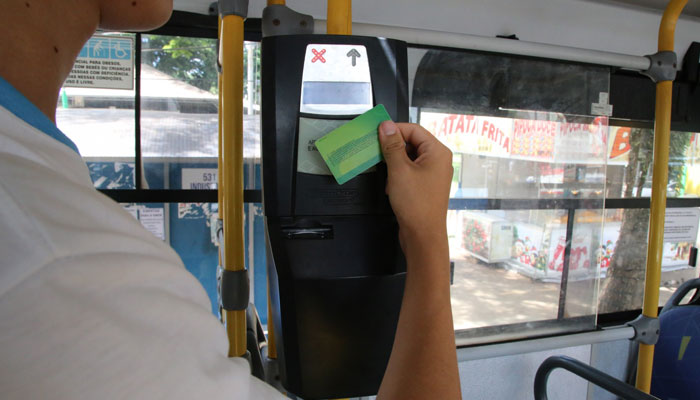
{"points": [[339, 17], [271, 344], [231, 92], [662, 131]]}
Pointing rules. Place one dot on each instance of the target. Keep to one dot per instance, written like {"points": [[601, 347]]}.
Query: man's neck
{"points": [[41, 48]]}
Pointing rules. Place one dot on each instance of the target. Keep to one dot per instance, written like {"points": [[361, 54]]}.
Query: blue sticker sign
{"points": [[105, 62]]}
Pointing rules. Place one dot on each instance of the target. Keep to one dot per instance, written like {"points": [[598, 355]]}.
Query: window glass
{"points": [[684, 174], [525, 219], [526, 155], [179, 112], [624, 244], [251, 113], [623, 255], [179, 142], [514, 259], [631, 157], [98, 117]]}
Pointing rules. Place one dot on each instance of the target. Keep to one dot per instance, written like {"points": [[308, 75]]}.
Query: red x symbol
{"points": [[318, 55]]}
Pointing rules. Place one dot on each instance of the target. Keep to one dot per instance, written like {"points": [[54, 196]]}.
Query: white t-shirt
{"points": [[91, 304]]}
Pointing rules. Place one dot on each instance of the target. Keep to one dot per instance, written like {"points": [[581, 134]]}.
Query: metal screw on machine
{"points": [[279, 19]]}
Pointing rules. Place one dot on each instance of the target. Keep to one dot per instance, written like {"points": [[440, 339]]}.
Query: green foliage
{"points": [[192, 60], [639, 169], [677, 159]]}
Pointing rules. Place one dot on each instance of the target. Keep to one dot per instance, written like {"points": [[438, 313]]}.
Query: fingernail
{"points": [[388, 127]]}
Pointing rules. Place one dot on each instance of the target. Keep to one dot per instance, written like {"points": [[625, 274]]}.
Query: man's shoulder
{"points": [[19, 140], [51, 210], [108, 310]]}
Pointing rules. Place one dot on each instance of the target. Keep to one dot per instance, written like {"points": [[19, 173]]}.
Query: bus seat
{"points": [[676, 374]]}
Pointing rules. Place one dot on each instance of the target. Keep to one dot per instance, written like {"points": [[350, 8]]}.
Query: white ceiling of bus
{"points": [[692, 8], [256, 6], [618, 26]]}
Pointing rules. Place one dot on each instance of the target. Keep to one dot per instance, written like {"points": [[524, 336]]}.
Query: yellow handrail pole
{"points": [[231, 57], [221, 170], [662, 129], [339, 17], [220, 183], [275, 2]]}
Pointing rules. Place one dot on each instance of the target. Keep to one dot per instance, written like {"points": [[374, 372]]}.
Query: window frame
{"points": [[203, 26]]}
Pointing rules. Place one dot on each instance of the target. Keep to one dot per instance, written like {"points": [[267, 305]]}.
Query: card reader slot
{"points": [[323, 232]]}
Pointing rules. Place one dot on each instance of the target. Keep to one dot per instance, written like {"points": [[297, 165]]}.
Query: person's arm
{"points": [[423, 362]]}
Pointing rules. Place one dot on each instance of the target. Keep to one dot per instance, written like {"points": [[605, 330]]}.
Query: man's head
{"points": [[133, 15]]}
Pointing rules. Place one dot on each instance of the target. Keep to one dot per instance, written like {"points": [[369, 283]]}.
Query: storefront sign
{"points": [[619, 140], [581, 143], [469, 133], [537, 140], [533, 139]]}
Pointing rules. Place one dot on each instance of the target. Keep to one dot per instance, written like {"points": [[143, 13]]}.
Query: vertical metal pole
{"points": [[567, 260], [138, 161], [662, 130], [339, 17], [220, 177], [220, 183], [231, 56]]}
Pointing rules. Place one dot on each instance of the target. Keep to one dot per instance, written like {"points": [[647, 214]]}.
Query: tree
{"points": [[625, 276], [191, 60]]}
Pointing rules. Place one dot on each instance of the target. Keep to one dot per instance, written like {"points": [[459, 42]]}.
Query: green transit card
{"points": [[352, 148]]}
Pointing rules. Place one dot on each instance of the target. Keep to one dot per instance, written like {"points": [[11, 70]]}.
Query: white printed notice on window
{"points": [[681, 225], [105, 62]]}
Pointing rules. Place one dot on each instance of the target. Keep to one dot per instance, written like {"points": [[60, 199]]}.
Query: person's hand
{"points": [[419, 177], [423, 361]]}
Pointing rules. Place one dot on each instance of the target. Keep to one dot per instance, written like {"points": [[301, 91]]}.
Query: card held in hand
{"points": [[351, 149]]}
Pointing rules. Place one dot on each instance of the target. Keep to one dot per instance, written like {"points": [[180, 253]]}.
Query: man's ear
{"points": [[134, 15]]}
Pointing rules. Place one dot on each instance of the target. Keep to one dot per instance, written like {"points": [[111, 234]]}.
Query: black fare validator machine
{"points": [[335, 267]]}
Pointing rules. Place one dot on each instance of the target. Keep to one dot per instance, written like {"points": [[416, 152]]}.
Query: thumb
{"points": [[392, 144]]}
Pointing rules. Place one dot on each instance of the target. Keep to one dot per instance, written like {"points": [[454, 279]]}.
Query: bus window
{"points": [[623, 254], [179, 111], [99, 118], [529, 229], [526, 209], [178, 128], [624, 245]]}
